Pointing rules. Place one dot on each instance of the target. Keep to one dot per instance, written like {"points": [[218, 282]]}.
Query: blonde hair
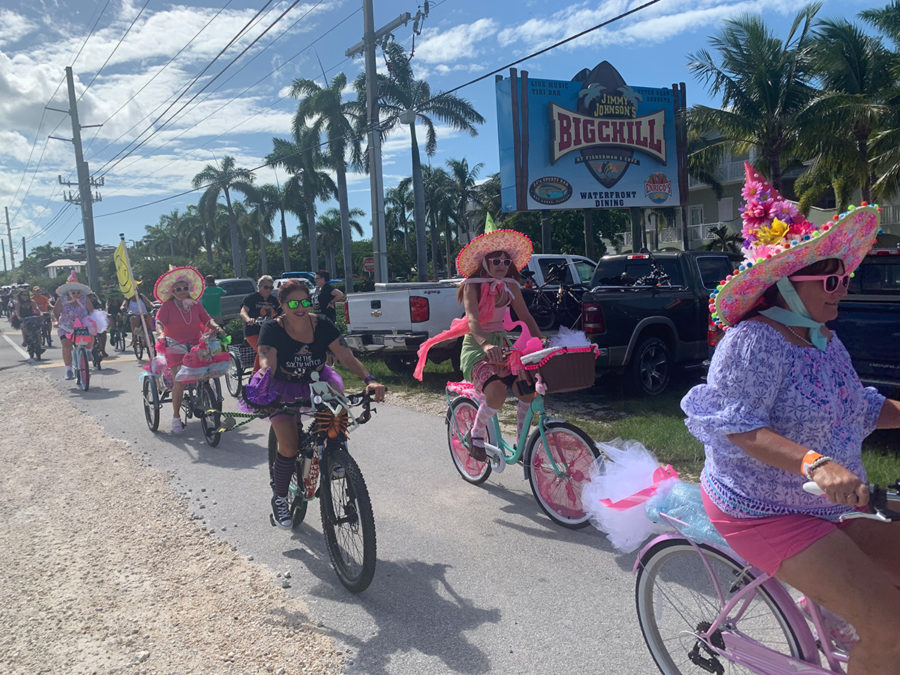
{"points": [[264, 278]]}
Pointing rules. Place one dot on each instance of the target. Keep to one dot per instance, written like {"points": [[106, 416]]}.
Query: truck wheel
{"points": [[650, 368], [400, 364]]}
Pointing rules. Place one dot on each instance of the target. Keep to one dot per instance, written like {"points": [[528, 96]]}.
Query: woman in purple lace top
{"points": [[782, 405]]}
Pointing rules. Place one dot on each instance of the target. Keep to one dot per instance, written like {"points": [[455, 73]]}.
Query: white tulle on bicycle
{"points": [[628, 492]]}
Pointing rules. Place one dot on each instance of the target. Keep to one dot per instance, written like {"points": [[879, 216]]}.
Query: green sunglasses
{"points": [[294, 304]]}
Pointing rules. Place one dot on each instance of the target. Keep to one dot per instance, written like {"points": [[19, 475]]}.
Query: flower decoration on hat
{"points": [[779, 241]]}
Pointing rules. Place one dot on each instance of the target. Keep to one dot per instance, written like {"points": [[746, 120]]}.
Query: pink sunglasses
{"points": [[830, 282]]}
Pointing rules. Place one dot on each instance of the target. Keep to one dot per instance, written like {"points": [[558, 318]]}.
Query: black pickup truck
{"points": [[868, 320], [649, 313]]}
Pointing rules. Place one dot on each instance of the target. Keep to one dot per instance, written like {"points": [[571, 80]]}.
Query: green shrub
{"points": [[235, 329]]}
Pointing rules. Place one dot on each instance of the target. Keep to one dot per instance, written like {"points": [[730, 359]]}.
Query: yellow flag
{"points": [[123, 274], [489, 225]]}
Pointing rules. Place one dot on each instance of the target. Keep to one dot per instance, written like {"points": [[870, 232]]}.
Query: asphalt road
{"points": [[469, 579]]}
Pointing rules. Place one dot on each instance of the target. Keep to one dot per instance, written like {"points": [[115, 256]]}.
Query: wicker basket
{"points": [[245, 353], [563, 369]]}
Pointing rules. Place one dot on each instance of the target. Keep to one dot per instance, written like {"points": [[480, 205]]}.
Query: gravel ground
{"points": [[104, 571]]}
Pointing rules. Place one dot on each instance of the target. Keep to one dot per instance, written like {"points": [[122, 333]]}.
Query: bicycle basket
{"points": [[563, 368], [81, 335], [245, 353]]}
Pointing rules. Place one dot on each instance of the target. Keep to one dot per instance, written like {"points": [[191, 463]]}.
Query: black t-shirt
{"points": [[296, 360], [258, 308], [323, 299]]}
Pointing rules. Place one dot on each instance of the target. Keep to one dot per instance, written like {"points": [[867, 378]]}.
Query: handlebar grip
{"points": [[813, 489]]}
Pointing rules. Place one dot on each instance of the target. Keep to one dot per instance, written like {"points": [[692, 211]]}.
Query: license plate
{"points": [[377, 339]]}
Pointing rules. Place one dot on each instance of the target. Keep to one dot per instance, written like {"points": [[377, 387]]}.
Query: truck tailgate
{"points": [[386, 311]]}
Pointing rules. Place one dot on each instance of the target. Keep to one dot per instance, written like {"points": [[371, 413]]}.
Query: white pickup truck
{"points": [[394, 319]]}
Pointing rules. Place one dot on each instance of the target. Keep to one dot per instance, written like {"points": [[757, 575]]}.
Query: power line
{"points": [[191, 84], [114, 49], [389, 119], [50, 223], [147, 83], [93, 28]]}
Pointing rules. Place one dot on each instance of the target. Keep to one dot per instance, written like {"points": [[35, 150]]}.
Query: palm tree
{"points": [[486, 200], [724, 240], [338, 120], [854, 69], [262, 213], [440, 208], [398, 204], [302, 158], [465, 190], [331, 233], [271, 199], [406, 100], [223, 179], [765, 88]]}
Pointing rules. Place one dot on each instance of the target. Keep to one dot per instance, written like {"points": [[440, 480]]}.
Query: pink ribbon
{"points": [[661, 474]]}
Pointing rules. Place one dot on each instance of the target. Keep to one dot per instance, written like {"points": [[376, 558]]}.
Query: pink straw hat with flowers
{"points": [[163, 288], [779, 241], [72, 284], [516, 244]]}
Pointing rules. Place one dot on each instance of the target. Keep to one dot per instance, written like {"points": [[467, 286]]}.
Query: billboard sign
{"points": [[592, 143]]}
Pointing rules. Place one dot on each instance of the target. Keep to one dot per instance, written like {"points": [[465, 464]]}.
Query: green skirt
{"points": [[472, 352]]}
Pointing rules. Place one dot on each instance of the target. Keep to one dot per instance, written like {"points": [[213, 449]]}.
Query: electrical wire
{"points": [[146, 84], [387, 120], [93, 28], [191, 84], [114, 49]]}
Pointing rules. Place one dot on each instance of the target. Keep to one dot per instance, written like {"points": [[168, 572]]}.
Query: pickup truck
{"points": [[394, 319], [650, 312], [868, 321], [235, 292]]}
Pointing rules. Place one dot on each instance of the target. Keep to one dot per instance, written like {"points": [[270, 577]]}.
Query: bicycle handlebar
{"points": [[298, 405], [884, 502]]}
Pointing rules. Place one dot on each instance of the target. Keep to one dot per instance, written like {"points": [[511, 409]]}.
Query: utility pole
{"points": [[376, 178], [23, 255], [3, 246], [12, 256], [85, 198]]}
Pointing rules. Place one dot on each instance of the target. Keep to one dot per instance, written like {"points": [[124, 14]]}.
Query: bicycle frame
{"points": [[512, 454], [745, 651]]}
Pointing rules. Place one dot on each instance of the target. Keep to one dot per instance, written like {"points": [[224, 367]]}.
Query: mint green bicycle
{"points": [[556, 455]]}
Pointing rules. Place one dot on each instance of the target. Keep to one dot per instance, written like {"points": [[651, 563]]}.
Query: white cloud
{"points": [[15, 27], [463, 41]]}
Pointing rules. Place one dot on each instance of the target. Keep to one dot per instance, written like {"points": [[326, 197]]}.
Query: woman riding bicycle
{"points": [[491, 263], [783, 405], [73, 307], [291, 347], [24, 308], [257, 307], [138, 306], [180, 322]]}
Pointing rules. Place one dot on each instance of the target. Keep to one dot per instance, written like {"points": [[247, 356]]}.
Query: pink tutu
{"points": [[205, 361]]}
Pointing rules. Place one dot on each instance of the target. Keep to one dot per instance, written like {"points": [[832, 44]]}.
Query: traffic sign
{"points": [[368, 264]]}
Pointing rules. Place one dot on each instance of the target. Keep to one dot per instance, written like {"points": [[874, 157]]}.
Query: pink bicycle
{"points": [[704, 610]]}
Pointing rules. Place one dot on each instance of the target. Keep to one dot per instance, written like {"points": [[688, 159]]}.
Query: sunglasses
{"points": [[267, 288], [830, 282], [500, 261], [181, 288], [294, 304]]}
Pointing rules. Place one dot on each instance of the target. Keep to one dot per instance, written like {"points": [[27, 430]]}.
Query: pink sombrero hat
{"points": [[518, 245], [779, 241], [72, 284], [162, 291]]}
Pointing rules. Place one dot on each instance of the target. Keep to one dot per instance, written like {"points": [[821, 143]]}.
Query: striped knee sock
{"points": [[282, 471], [485, 412]]}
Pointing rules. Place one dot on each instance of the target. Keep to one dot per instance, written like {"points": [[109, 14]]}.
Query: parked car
{"points": [[868, 321], [235, 292], [394, 319], [308, 277], [649, 313]]}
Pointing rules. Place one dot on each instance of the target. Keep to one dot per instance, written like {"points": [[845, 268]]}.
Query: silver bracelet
{"points": [[815, 465]]}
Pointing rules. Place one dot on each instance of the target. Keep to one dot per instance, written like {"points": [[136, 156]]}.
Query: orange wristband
{"points": [[808, 460]]}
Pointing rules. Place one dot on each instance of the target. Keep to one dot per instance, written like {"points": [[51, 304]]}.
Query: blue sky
{"points": [[240, 112]]}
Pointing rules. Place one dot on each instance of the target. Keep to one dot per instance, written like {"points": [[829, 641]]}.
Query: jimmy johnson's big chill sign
{"points": [[591, 143]]}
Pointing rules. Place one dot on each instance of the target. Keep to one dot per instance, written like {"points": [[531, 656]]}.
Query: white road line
{"points": [[17, 347]]}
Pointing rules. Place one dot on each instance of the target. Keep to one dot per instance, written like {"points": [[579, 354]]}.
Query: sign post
{"points": [[368, 264]]}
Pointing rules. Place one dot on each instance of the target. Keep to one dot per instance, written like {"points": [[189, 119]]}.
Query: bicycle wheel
{"points": [[459, 420], [83, 369], [542, 310], [347, 520], [296, 502], [138, 347], [573, 452], [211, 415], [676, 600], [233, 377], [150, 399]]}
